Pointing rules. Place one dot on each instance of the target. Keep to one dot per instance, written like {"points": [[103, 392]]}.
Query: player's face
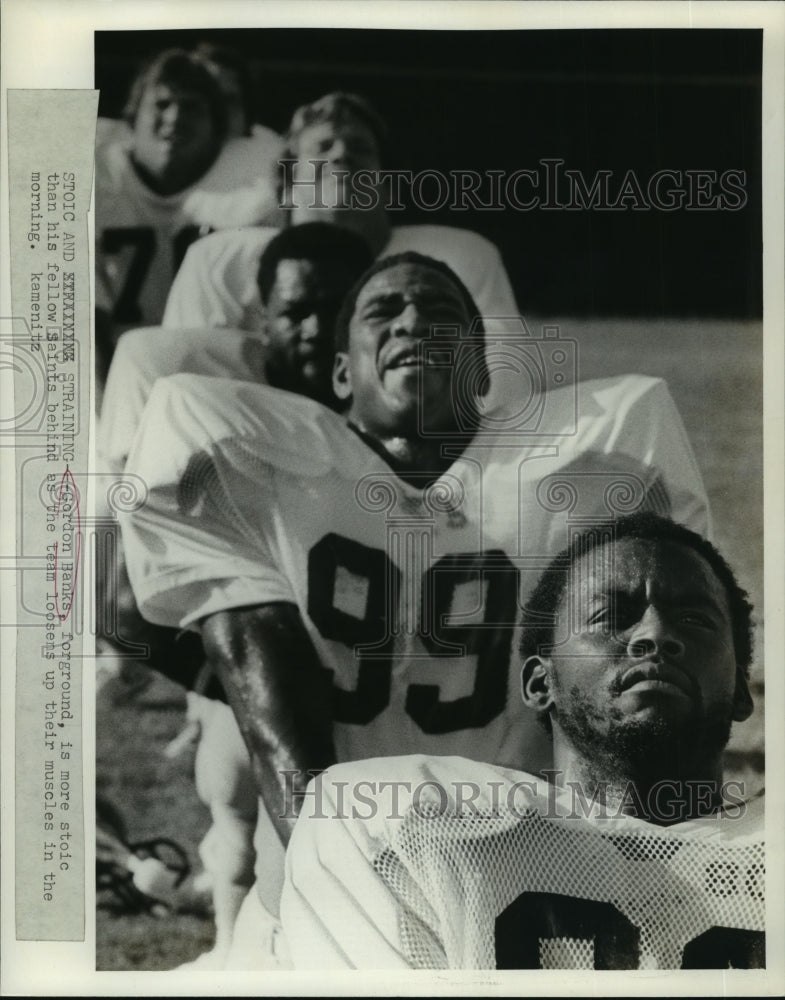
{"points": [[650, 658], [393, 389], [346, 145], [299, 322], [174, 133]]}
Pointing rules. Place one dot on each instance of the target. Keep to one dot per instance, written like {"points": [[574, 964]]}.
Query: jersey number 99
{"points": [[374, 636]]}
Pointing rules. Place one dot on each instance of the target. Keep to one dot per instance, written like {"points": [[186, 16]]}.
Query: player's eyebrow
{"points": [[611, 597], [694, 599], [421, 296], [621, 598], [381, 298]]}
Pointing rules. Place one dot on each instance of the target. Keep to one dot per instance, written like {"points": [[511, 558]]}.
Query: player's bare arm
{"points": [[279, 693]]}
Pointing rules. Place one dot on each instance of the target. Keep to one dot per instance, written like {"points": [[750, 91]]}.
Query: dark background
{"points": [[606, 99]]}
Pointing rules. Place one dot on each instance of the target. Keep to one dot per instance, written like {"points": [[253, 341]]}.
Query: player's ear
{"points": [[536, 684], [742, 699], [342, 377]]}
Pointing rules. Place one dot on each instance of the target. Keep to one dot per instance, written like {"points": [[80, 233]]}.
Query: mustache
{"points": [[654, 668]]}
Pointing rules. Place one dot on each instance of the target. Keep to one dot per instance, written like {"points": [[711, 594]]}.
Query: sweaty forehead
{"points": [[665, 569], [411, 281]]}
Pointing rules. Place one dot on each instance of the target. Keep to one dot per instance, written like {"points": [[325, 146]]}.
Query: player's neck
{"points": [[414, 460], [657, 794], [372, 225], [167, 182]]}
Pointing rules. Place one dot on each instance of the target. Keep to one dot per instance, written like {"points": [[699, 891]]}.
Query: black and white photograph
{"points": [[335, 562], [428, 566]]}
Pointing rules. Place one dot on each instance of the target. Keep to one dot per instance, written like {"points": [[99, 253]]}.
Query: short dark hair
{"points": [[408, 257], [312, 241], [184, 69], [541, 608]]}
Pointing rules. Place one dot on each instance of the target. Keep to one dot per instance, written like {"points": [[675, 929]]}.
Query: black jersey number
{"points": [[142, 240], [376, 583], [598, 936], [490, 640]]}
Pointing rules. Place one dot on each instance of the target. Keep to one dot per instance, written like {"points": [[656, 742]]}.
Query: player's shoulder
{"points": [[112, 130], [618, 398], [264, 133], [738, 825], [279, 428], [231, 245], [444, 782], [123, 196], [169, 350], [557, 404], [149, 344], [113, 170], [242, 160], [441, 242], [380, 802], [741, 820], [612, 392], [262, 142]]}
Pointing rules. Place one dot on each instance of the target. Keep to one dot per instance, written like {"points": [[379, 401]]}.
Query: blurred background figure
{"points": [[146, 876], [163, 177], [216, 285], [303, 276], [252, 148]]}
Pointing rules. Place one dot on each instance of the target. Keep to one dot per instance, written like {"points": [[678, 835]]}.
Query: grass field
{"points": [[714, 373], [156, 798]]}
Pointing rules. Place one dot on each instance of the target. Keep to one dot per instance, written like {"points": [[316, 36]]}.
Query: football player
{"points": [[636, 649], [251, 150], [328, 142], [357, 578], [231, 70], [304, 274], [178, 120], [147, 208]]}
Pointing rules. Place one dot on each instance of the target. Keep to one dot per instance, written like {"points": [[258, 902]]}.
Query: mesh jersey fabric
{"points": [[476, 867]]}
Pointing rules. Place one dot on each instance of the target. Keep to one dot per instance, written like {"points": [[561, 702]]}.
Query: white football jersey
{"points": [[241, 188], [216, 285], [143, 356], [412, 595], [141, 237], [445, 863]]}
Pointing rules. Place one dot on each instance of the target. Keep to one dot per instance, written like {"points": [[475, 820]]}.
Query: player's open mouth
{"points": [[404, 357], [658, 677], [406, 363]]}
